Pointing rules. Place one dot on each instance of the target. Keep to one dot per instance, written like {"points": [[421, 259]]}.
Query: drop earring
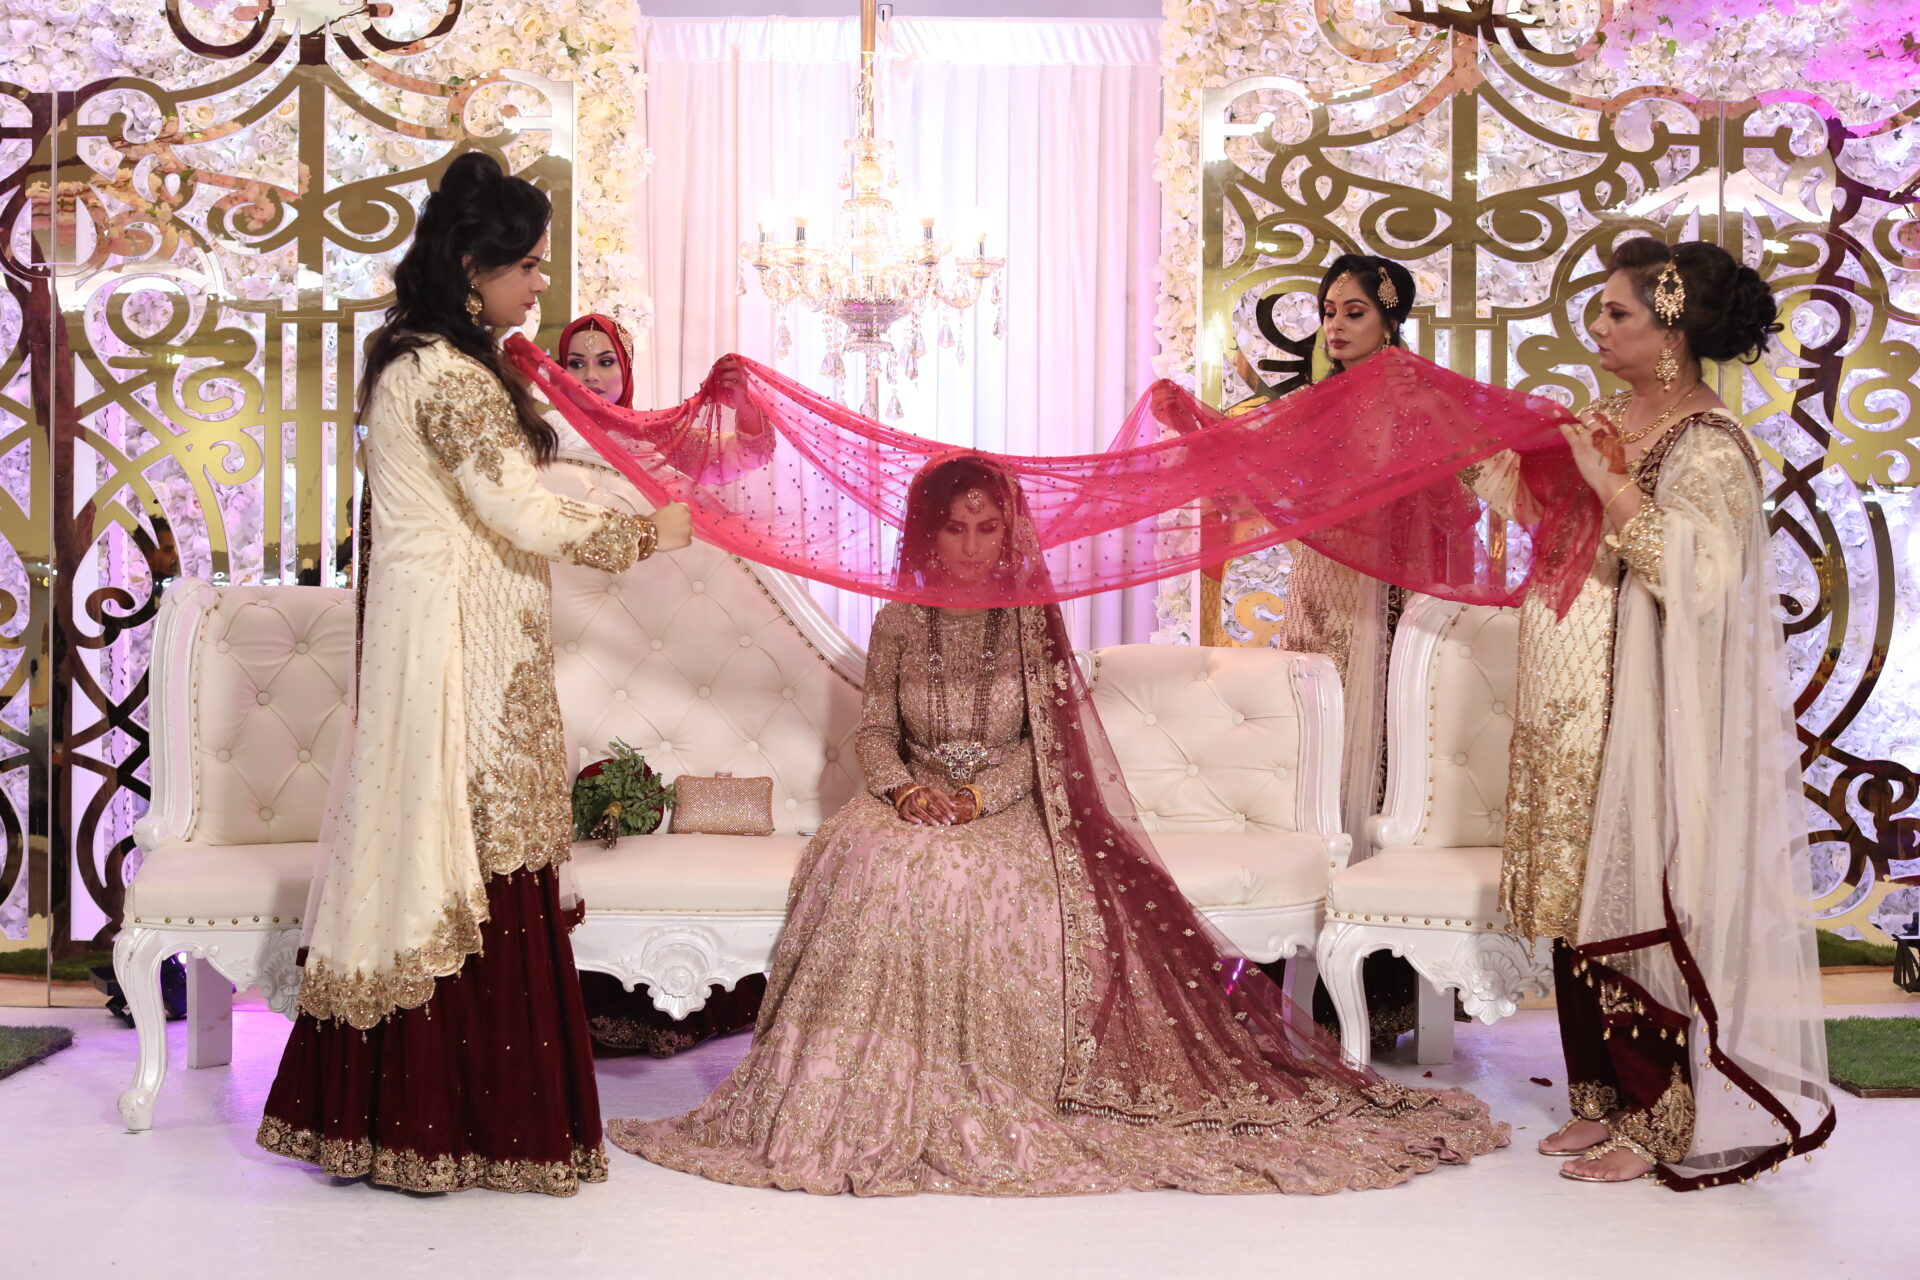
{"points": [[475, 304], [1667, 369]]}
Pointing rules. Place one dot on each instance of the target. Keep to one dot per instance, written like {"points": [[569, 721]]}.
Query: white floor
{"points": [[193, 1197]]}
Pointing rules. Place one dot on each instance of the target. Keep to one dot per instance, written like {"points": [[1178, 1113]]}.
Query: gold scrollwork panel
{"points": [[191, 271], [1479, 161]]}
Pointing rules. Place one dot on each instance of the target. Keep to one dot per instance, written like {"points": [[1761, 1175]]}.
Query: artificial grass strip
{"points": [[1875, 1057], [21, 1047], [1837, 952], [31, 962]]}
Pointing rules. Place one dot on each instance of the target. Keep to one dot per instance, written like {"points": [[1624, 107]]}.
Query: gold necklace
{"points": [[1660, 421]]}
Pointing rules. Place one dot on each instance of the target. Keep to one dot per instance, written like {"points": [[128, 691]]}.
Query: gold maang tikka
{"points": [[1669, 296]]}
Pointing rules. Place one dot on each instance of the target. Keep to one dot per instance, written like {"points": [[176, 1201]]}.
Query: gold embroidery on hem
{"points": [[365, 999], [1591, 1101], [410, 1171], [1665, 1128]]}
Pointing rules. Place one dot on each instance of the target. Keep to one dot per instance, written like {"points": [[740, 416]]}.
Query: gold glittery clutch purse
{"points": [[723, 805]]}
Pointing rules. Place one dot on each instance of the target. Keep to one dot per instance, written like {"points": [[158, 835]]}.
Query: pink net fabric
{"points": [[1362, 467]]}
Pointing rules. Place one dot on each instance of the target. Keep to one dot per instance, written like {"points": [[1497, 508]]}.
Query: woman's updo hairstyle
{"points": [[1371, 273], [1730, 312], [479, 220]]}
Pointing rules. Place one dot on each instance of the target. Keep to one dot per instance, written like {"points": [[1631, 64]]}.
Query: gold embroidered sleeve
{"points": [[877, 742], [468, 424], [617, 542], [1641, 542]]}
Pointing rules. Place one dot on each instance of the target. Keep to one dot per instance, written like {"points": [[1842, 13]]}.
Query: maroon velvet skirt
{"points": [[489, 1084], [625, 1022]]}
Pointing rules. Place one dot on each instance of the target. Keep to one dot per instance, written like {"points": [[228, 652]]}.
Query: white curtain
{"points": [[1040, 133]]}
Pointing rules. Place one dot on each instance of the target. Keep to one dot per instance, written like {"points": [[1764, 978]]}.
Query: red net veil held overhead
{"points": [[1362, 467]]}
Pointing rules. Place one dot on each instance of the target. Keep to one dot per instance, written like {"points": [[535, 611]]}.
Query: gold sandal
{"points": [[1566, 1153], [1611, 1145]]}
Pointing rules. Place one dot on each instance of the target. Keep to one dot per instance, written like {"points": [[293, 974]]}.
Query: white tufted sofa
{"points": [[704, 665], [1432, 891]]}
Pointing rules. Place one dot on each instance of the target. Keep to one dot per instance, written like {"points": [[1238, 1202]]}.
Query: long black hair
{"points": [[1729, 313], [479, 220]]}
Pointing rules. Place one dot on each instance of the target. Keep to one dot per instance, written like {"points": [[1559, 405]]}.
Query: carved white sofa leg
{"points": [[137, 954], [263, 958], [1343, 948], [1492, 972]]}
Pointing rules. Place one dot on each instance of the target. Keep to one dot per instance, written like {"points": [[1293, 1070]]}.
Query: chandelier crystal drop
{"points": [[873, 277]]}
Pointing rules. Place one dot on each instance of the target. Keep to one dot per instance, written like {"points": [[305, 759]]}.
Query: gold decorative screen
{"points": [[1484, 159], [191, 270]]}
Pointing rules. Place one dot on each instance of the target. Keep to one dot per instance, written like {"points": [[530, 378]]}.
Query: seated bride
{"points": [[988, 983]]}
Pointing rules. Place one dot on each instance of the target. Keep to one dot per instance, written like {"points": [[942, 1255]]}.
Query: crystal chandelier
{"points": [[874, 278]]}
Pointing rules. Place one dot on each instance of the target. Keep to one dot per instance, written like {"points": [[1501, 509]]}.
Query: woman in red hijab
{"points": [[597, 352]]}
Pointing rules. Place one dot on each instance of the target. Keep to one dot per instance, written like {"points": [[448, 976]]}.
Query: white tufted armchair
{"points": [[1232, 757], [249, 702], [1432, 892]]}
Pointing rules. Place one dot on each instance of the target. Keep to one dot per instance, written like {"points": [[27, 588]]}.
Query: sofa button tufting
{"points": [[223, 755], [571, 646], [833, 757], [1459, 757], [753, 747], [1193, 771], [1151, 719], [263, 697], [786, 693], [792, 804], [1240, 817], [699, 588], [746, 642], [223, 646], [656, 645], [613, 588], [1466, 651], [619, 695], [305, 756], [302, 647], [1499, 708], [266, 815], [704, 691], [1238, 718], [666, 746]]}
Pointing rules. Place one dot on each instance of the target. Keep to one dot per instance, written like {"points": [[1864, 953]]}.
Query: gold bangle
{"points": [[1628, 484], [899, 801], [979, 799]]}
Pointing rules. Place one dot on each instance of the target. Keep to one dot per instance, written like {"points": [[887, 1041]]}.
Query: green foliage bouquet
{"points": [[618, 796]]}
